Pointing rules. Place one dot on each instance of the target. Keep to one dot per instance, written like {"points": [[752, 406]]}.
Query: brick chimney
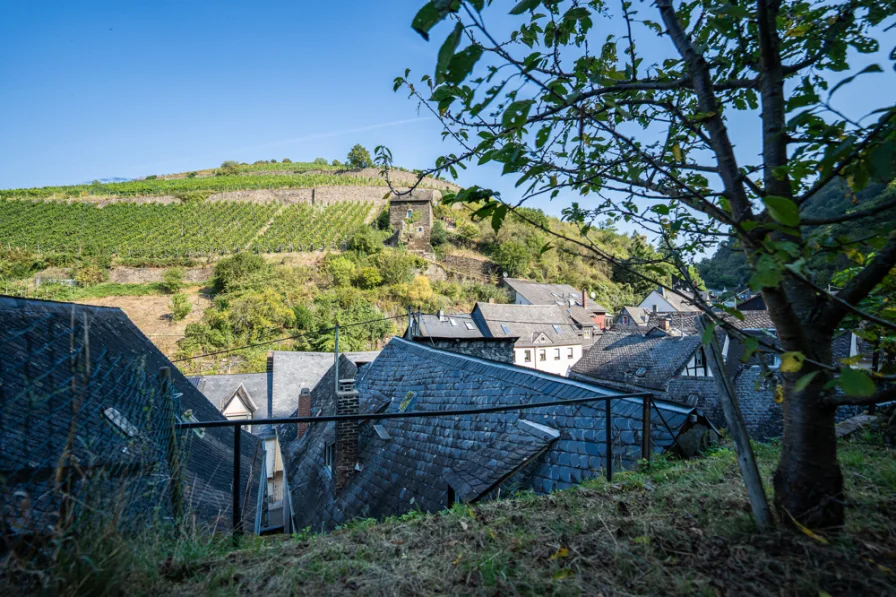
{"points": [[346, 432], [304, 411], [584, 298], [665, 323]]}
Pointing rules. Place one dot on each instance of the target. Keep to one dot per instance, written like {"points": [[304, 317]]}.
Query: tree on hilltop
{"points": [[359, 158], [566, 107]]}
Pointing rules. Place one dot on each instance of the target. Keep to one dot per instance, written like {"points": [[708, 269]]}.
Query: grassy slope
{"points": [[679, 529]]}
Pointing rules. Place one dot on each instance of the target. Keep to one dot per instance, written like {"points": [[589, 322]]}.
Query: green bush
{"points": [[382, 220], [396, 267], [89, 275], [366, 241], [191, 175], [468, 232], [173, 279], [151, 177], [368, 277], [341, 270], [322, 161], [438, 235], [228, 168], [180, 306], [286, 161], [512, 257], [231, 270]]}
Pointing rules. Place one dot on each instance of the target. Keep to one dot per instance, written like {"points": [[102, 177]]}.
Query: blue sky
{"points": [[102, 89]]}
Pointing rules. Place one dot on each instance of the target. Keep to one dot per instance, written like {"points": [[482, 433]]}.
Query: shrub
{"points": [[382, 220], [151, 177], [180, 306], [254, 315], [368, 277], [173, 279], [359, 157], [191, 175], [438, 235], [322, 161], [89, 275], [337, 163], [420, 293], [366, 241], [341, 270], [396, 267], [468, 232], [233, 269], [273, 161], [228, 168], [286, 161]]}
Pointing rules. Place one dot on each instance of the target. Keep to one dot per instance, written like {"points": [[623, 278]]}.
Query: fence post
{"points": [[237, 518], [609, 429], [645, 427], [173, 458]]}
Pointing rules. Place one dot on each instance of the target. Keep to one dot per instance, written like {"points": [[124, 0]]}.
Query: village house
{"points": [[526, 292], [276, 393], [411, 218], [459, 333], [548, 337], [85, 408], [388, 467]]}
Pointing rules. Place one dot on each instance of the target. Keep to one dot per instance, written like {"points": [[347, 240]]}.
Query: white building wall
{"points": [[550, 364], [656, 299]]}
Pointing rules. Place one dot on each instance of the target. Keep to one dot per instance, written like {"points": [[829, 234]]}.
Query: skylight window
{"points": [[469, 325], [505, 328], [120, 422], [381, 431], [641, 371], [452, 320], [558, 329]]}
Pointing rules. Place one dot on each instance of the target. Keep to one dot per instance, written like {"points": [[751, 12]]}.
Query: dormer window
{"points": [[697, 366]]}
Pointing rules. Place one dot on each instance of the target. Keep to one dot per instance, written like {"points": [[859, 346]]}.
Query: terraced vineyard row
{"points": [[301, 227], [215, 184], [193, 229]]}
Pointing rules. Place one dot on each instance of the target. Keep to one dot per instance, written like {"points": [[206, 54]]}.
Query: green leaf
{"points": [[883, 161], [462, 63], [782, 209], [767, 274], [871, 68], [544, 249], [498, 216], [524, 5], [855, 382], [791, 362], [516, 114], [446, 52], [803, 382], [706, 337], [428, 17]]}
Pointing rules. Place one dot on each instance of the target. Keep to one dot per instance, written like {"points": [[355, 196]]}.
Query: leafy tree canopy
{"points": [[359, 158]]}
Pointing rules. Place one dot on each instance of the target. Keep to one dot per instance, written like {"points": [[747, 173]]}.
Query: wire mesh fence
{"points": [[86, 438]]}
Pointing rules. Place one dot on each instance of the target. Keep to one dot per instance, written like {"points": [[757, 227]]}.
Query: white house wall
{"points": [[551, 364], [655, 299]]}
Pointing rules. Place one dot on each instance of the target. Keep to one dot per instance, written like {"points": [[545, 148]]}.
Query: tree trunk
{"points": [[808, 482]]}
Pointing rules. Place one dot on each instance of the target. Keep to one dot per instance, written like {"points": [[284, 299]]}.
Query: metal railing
{"points": [[648, 407]]}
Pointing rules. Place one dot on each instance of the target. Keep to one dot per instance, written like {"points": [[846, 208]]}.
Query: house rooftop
{"points": [[533, 324], [538, 293], [447, 326]]}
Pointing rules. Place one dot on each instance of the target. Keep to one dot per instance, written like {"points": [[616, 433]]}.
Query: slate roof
{"points": [[637, 316], [453, 326], [528, 323], [296, 370], [47, 348], [677, 302], [411, 464], [538, 293], [645, 360], [417, 196], [219, 389]]}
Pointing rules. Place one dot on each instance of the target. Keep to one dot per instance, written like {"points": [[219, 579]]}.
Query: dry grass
{"points": [[678, 529]]}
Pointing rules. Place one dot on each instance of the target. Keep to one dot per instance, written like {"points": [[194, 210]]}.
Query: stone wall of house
{"points": [[493, 350], [412, 222]]}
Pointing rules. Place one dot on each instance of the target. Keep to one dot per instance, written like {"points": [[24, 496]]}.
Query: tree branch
{"points": [[882, 396]]}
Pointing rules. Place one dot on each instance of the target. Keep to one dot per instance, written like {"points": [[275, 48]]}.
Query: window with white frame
{"points": [[556, 354], [586, 334], [542, 355], [569, 353], [527, 356]]}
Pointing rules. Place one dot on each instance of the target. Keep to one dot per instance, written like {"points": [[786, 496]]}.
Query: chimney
{"points": [[270, 363], [584, 298], [346, 432], [442, 316], [664, 323], [304, 411]]}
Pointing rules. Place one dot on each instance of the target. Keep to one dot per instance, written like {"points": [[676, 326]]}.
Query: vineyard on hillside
{"points": [[301, 227], [176, 186], [192, 229]]}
